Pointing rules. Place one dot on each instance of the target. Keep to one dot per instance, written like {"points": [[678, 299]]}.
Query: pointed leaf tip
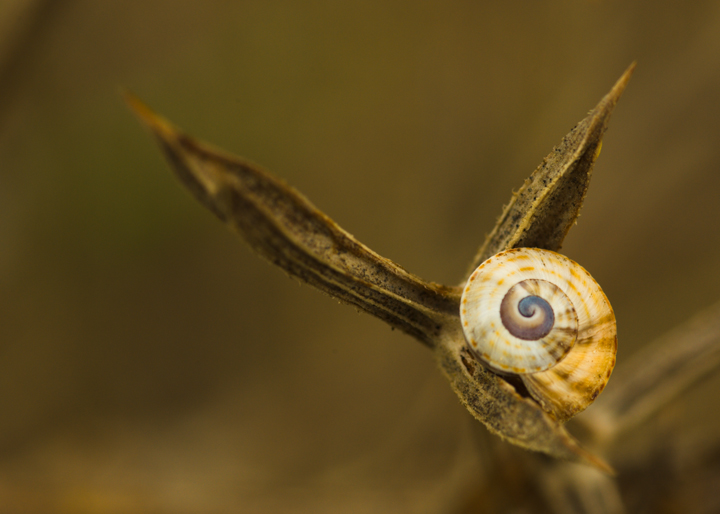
{"points": [[624, 78], [546, 206], [146, 115], [617, 90]]}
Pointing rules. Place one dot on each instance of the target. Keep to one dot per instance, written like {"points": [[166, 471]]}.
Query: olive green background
{"points": [[149, 362]]}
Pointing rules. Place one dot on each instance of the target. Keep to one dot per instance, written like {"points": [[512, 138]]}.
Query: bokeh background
{"points": [[149, 362]]}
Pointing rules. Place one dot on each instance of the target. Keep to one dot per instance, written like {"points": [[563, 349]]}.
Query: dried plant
{"points": [[560, 474]]}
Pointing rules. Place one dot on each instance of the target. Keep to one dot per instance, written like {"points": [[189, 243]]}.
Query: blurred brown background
{"points": [[150, 363]]}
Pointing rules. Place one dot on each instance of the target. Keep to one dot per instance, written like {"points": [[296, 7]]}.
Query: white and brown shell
{"points": [[541, 316]]}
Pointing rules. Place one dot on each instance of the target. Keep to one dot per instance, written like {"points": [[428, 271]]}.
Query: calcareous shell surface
{"points": [[540, 315]]}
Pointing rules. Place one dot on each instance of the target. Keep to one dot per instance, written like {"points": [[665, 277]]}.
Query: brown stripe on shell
{"points": [[570, 387]]}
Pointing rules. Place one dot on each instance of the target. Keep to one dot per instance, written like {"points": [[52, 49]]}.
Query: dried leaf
{"points": [[285, 228], [541, 213]]}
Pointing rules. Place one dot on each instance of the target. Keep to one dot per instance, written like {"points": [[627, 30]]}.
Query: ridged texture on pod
{"points": [[538, 314]]}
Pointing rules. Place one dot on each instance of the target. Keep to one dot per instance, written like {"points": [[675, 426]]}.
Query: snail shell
{"points": [[539, 315]]}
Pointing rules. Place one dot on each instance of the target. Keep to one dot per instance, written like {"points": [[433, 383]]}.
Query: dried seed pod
{"points": [[539, 315]]}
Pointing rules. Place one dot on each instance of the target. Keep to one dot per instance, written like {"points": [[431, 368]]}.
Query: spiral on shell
{"points": [[539, 315]]}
